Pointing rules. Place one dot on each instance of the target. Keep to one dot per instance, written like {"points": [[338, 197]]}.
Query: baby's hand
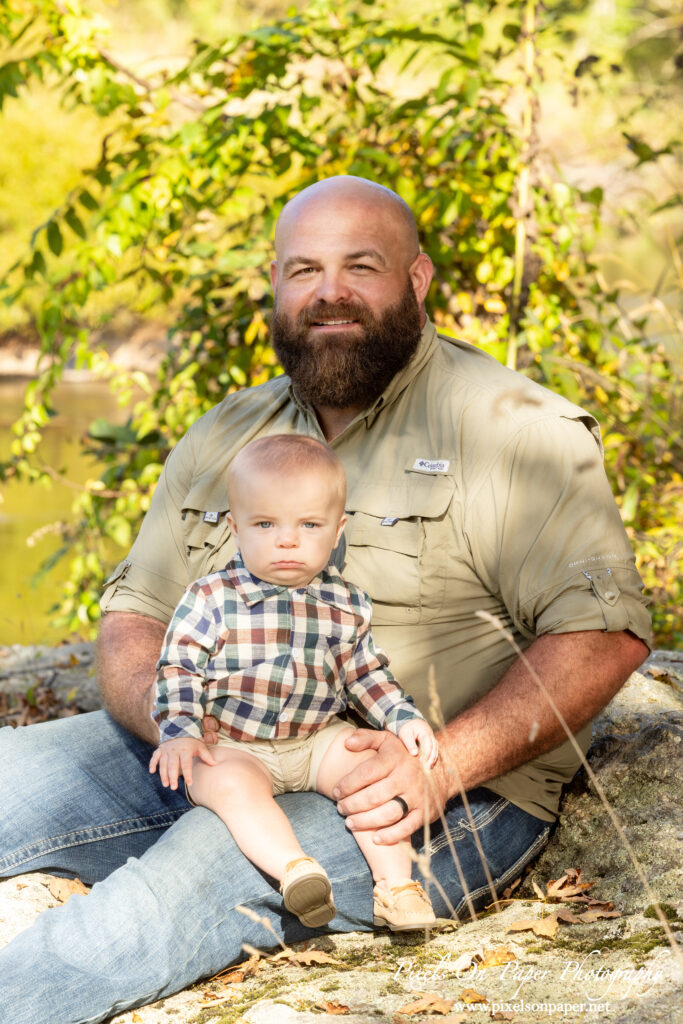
{"points": [[174, 758], [417, 737]]}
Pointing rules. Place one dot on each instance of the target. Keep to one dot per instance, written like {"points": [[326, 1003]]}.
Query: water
{"points": [[26, 508]]}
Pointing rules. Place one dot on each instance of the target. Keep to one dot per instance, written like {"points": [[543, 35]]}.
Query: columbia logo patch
{"points": [[211, 517], [431, 465]]}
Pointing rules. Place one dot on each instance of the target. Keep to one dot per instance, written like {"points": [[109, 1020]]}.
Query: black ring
{"points": [[404, 805]]}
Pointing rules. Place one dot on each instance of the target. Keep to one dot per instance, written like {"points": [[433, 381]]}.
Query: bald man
{"points": [[470, 490]]}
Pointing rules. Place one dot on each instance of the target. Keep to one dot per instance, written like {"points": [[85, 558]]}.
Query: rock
{"points": [[616, 971], [68, 670]]}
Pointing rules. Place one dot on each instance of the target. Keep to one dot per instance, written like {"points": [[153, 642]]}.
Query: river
{"points": [[26, 508]]}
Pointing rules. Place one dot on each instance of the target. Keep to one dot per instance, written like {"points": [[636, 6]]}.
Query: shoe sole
{"points": [[381, 922], [310, 899]]}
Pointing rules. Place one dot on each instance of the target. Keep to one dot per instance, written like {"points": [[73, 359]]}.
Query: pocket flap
{"points": [[418, 496]]}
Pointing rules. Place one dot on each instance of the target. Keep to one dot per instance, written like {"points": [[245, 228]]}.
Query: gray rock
{"points": [[615, 971]]}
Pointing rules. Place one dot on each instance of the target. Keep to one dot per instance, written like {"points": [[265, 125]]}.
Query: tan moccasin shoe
{"points": [[403, 908], [306, 892]]}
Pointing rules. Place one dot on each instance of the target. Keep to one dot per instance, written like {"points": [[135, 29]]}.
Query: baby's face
{"points": [[286, 527]]}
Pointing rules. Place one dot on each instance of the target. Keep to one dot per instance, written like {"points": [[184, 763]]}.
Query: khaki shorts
{"points": [[293, 762]]}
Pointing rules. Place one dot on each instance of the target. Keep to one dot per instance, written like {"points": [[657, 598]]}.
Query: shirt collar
{"points": [[328, 586]]}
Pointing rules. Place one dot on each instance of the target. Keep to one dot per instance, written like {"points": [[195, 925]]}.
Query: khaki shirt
{"points": [[470, 488]]}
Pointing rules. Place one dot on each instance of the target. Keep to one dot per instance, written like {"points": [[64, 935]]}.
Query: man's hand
{"points": [[174, 758], [367, 793]]}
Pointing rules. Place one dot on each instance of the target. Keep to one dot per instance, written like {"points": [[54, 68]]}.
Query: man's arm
{"points": [[128, 650], [581, 671]]}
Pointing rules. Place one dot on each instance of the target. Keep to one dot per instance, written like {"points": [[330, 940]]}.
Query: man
{"points": [[470, 490]]}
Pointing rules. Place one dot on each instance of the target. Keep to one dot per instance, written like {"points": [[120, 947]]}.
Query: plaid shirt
{"points": [[272, 661]]}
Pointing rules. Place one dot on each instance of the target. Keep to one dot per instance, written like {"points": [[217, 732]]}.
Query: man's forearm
{"points": [[128, 650], [514, 721]]}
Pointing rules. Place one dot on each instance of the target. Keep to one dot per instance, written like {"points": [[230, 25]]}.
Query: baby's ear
{"points": [[231, 523], [342, 524]]}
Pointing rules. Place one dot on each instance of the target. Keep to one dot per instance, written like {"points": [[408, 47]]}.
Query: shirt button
{"points": [[283, 716], [609, 594]]}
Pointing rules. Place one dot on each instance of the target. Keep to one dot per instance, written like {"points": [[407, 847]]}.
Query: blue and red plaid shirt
{"points": [[272, 661]]}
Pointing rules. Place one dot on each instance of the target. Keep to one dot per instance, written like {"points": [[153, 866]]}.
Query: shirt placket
{"points": [[297, 651]]}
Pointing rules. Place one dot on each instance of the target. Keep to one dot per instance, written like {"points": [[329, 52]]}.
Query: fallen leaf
{"points": [[511, 888], [213, 999], [21, 885], [136, 1018], [464, 961], [595, 913], [537, 889], [334, 1008], [427, 1003], [496, 957], [499, 1015], [63, 888], [545, 927], [235, 975], [568, 886], [306, 957], [468, 995]]}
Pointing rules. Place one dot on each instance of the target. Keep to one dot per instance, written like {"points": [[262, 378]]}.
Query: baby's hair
{"points": [[285, 454]]}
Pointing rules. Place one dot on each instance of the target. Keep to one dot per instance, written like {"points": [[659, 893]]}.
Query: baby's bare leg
{"points": [[239, 789], [390, 865]]}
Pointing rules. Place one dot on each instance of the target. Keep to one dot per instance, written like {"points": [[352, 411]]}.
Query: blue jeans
{"points": [[78, 800]]}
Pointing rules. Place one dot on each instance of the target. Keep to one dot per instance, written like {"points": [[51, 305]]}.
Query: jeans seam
{"points": [[463, 826], [531, 851], [81, 837]]}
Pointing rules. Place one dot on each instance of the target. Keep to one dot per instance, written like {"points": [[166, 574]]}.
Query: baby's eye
{"points": [[311, 526], [265, 524]]}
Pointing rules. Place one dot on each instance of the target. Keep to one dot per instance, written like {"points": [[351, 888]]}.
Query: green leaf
{"points": [[74, 222], [54, 238], [86, 199]]}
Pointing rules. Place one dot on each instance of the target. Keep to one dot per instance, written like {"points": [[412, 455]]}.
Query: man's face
{"points": [[286, 527], [346, 318]]}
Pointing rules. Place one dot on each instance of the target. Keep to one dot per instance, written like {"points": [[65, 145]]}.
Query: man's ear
{"points": [[231, 523], [274, 275], [421, 273]]}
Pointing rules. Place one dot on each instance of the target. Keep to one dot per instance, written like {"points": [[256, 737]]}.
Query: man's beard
{"points": [[350, 368]]}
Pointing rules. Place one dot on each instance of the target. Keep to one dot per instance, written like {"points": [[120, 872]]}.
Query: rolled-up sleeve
{"points": [[549, 538]]}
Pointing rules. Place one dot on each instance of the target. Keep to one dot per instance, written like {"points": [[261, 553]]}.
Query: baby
{"points": [[275, 646]]}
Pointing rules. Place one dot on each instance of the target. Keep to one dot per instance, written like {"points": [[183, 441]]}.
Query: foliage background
{"points": [[187, 152]]}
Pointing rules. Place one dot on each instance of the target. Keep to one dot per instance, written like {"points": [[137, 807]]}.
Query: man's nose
{"points": [[332, 286]]}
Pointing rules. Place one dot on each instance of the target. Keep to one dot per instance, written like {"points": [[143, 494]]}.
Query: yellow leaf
{"points": [[546, 927], [333, 1008], [468, 995], [63, 888], [496, 957], [427, 1003]]}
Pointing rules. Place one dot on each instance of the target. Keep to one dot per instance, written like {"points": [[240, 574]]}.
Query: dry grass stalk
{"points": [[438, 718], [497, 624], [253, 916]]}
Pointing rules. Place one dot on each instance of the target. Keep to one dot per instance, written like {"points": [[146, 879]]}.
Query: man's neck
{"points": [[334, 421]]}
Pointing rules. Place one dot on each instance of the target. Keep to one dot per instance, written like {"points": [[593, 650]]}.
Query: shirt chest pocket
{"points": [[395, 540], [209, 543]]}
